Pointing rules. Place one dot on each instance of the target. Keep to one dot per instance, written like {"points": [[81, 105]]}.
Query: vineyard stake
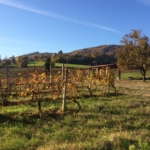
{"points": [[39, 107], [65, 91], [119, 74]]}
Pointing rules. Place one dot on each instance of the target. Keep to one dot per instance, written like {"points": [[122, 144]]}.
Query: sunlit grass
{"points": [[36, 63], [105, 122], [41, 63], [71, 65], [133, 73]]}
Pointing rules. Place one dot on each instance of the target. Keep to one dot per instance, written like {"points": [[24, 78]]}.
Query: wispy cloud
{"points": [[53, 15], [145, 2]]}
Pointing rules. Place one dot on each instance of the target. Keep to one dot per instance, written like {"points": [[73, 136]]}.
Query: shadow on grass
{"points": [[10, 103], [117, 94], [31, 117], [50, 100], [119, 143], [5, 118]]}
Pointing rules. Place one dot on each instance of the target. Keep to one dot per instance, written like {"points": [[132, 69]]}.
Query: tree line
{"points": [[60, 57]]}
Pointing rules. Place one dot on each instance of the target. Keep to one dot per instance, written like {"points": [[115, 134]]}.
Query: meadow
{"points": [[41, 63], [106, 122]]}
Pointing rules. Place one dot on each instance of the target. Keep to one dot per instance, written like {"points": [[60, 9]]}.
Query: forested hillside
{"points": [[102, 49], [103, 54]]}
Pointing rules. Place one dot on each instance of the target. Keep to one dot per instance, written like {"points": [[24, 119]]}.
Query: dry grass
{"points": [[133, 87], [119, 122]]}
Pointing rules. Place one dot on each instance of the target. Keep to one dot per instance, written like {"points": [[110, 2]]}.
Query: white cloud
{"points": [[53, 15]]}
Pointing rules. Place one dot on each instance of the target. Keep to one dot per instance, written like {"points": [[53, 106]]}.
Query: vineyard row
{"points": [[38, 86]]}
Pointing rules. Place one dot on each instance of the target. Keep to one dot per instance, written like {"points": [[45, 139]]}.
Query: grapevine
{"points": [[36, 86]]}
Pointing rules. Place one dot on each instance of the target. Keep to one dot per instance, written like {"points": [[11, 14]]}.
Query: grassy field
{"points": [[133, 73], [41, 63], [71, 65], [116, 122], [36, 63]]}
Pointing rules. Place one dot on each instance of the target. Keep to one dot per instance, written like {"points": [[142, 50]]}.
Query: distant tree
{"points": [[22, 61], [53, 59], [6, 62], [135, 52], [13, 60], [35, 58], [47, 64], [50, 61], [60, 52], [88, 59]]}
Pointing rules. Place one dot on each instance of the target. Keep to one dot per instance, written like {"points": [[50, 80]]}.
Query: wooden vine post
{"points": [[90, 79], [39, 107], [119, 74], [65, 90], [100, 72]]}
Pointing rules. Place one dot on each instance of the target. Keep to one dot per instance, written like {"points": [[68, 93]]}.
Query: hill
{"points": [[100, 50], [38, 54], [103, 54]]}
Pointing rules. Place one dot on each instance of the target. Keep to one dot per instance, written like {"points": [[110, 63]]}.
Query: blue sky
{"points": [[52, 25]]}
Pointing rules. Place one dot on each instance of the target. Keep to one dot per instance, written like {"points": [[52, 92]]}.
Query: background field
{"points": [[41, 63], [134, 74]]}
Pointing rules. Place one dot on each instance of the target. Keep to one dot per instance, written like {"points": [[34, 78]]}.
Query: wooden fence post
{"points": [[65, 91], [100, 72], [6, 77], [50, 73], [62, 71]]}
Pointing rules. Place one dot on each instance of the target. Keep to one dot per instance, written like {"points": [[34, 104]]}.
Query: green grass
{"points": [[71, 65], [36, 63], [41, 63], [119, 122], [134, 74]]}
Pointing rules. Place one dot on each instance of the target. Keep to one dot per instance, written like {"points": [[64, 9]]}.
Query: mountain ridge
{"points": [[99, 50]]}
